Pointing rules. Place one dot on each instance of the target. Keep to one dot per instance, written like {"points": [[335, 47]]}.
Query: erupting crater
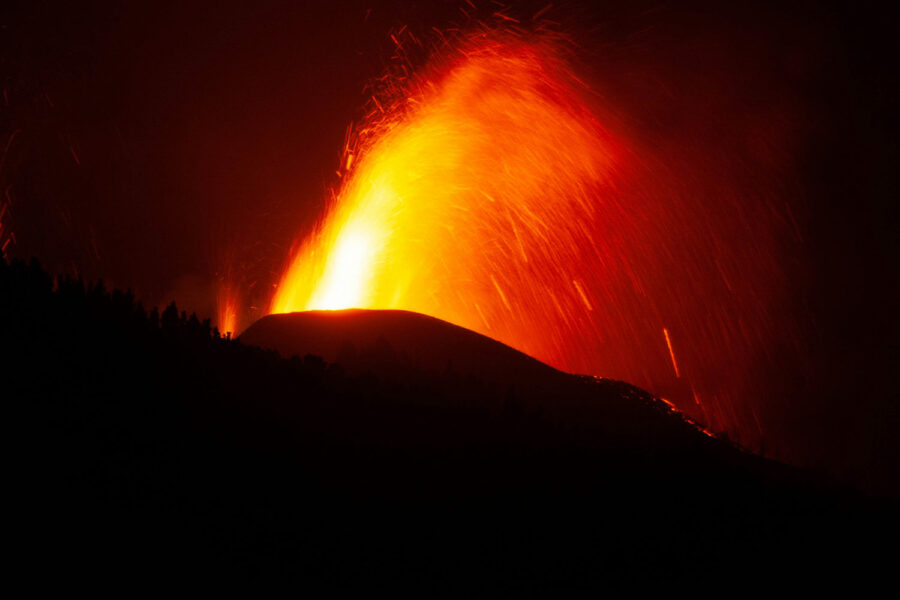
{"points": [[499, 192], [480, 200]]}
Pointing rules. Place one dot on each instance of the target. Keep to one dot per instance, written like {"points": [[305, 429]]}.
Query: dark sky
{"points": [[203, 129], [158, 144]]}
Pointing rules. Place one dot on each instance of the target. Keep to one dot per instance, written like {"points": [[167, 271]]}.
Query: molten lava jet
{"points": [[481, 201]]}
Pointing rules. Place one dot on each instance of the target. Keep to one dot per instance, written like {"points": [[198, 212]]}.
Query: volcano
{"points": [[409, 348], [437, 363], [394, 341]]}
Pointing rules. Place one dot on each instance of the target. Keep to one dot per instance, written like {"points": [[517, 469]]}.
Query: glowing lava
{"points": [[477, 202]]}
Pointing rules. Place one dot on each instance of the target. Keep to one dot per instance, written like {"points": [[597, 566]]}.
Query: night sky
{"points": [[166, 147]]}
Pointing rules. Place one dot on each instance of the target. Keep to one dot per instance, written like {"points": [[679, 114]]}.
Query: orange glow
{"points": [[472, 200], [227, 311]]}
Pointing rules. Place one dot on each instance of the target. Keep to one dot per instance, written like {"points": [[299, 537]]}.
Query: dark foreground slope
{"points": [[145, 450]]}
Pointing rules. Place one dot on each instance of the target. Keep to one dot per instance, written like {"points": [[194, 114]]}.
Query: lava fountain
{"points": [[480, 201], [499, 193]]}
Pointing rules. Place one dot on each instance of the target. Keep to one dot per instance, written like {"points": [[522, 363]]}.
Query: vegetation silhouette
{"points": [[147, 449]]}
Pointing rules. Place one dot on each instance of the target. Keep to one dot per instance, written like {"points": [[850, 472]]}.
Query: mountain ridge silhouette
{"points": [[150, 450], [405, 340]]}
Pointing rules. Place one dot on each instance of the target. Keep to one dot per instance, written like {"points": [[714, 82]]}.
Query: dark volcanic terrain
{"points": [[396, 341], [147, 450]]}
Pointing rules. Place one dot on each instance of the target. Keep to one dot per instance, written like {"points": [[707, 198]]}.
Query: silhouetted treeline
{"points": [[145, 448]]}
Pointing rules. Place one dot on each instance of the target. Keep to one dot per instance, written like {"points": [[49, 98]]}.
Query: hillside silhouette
{"points": [[146, 449], [397, 342]]}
